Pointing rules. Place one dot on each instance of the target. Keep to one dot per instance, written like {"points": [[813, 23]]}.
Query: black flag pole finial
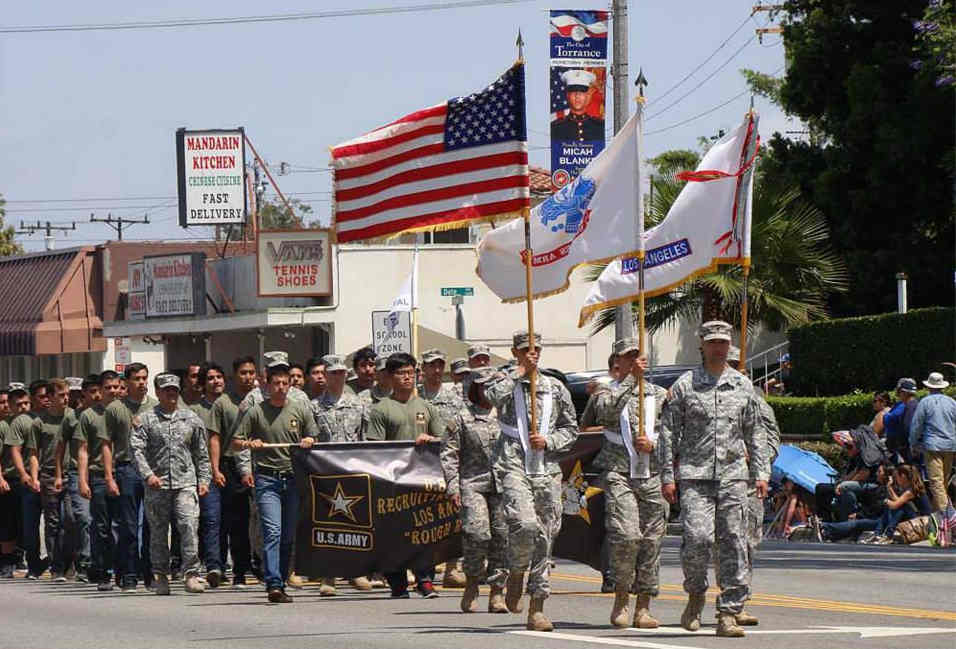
{"points": [[641, 82], [519, 43]]}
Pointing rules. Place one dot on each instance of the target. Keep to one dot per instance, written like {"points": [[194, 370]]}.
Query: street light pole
{"points": [[623, 317]]}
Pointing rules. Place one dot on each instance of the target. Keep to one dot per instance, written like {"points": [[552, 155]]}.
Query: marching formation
{"points": [[135, 488]]}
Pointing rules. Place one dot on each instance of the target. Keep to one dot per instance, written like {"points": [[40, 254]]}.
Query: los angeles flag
{"points": [[593, 219], [708, 225]]}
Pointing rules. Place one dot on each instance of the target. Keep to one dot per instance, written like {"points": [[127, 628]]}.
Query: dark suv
{"points": [[577, 382]]}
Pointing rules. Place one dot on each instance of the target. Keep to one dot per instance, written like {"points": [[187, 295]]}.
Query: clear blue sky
{"points": [[93, 114]]}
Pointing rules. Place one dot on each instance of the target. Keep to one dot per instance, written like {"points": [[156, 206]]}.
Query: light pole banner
{"points": [[578, 49]]}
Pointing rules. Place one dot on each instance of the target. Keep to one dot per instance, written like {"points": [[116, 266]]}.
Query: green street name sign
{"points": [[451, 291]]}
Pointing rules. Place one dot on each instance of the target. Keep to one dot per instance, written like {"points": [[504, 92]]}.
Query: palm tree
{"points": [[793, 271]]}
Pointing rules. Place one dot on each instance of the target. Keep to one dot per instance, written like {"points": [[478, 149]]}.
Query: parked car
{"points": [[577, 382]]}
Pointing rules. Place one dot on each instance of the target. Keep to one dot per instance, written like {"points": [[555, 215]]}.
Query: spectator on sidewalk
{"points": [[896, 422], [859, 487], [934, 433], [881, 406], [906, 499]]}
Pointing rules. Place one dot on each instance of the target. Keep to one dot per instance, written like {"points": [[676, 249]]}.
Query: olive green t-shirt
{"points": [[72, 436], [288, 424], [119, 425], [21, 430], [93, 428], [393, 420], [44, 437], [222, 420], [8, 441], [203, 409]]}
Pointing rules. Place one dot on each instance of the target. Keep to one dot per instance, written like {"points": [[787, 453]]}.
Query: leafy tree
{"points": [[872, 80], [274, 215], [793, 271], [8, 244]]}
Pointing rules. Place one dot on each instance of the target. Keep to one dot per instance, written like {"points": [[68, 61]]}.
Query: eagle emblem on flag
{"points": [[568, 207]]}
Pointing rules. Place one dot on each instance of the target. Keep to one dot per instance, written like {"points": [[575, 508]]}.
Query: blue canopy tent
{"points": [[805, 468]]}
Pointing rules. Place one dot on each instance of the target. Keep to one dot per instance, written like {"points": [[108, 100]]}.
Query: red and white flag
{"points": [[438, 168]]}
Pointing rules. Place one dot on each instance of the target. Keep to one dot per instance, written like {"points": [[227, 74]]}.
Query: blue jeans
{"points": [[129, 506], [278, 503], [104, 509], [210, 519], [846, 529], [80, 513], [891, 518], [54, 525], [31, 506]]}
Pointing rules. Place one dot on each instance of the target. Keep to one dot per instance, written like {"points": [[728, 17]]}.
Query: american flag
{"points": [[462, 160], [559, 94]]}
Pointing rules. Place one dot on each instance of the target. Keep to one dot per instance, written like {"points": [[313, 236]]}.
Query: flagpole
{"points": [[641, 253], [415, 300], [528, 254], [745, 303]]}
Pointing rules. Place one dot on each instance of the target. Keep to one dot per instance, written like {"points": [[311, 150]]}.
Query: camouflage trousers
{"points": [[532, 507], [484, 535], [179, 507], [755, 512], [715, 513], [635, 518]]}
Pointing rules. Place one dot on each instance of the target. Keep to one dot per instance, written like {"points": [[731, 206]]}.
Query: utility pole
{"points": [[772, 11], [119, 222], [623, 318], [48, 229]]}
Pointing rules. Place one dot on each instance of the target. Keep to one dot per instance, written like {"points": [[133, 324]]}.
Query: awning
{"points": [[48, 304]]}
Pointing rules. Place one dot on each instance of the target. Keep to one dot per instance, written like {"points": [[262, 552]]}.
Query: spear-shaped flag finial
{"points": [[640, 82], [520, 44]]}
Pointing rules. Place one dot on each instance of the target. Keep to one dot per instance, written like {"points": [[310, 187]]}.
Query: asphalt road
{"points": [[806, 596]]}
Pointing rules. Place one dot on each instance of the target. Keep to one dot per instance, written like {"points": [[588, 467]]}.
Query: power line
{"points": [[269, 18], [709, 111], [703, 81], [705, 62]]}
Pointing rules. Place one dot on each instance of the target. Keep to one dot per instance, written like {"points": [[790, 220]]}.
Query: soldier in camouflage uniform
{"points": [[341, 417], [466, 452], [635, 510], [526, 466], [170, 452], [459, 370], [382, 388], [755, 504], [720, 445]]}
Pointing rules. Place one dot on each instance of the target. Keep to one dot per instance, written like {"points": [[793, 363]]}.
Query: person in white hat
{"points": [[933, 431], [577, 125]]}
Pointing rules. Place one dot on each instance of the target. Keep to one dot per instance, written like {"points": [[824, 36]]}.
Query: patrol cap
{"points": [[459, 366], [734, 353], [520, 339], [166, 380], [479, 350], [578, 80], [75, 383], [334, 363], [16, 385], [380, 363], [906, 385], [275, 359], [715, 330], [625, 345], [482, 375], [433, 355]]}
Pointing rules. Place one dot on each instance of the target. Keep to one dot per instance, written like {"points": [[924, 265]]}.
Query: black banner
{"points": [[381, 507]]}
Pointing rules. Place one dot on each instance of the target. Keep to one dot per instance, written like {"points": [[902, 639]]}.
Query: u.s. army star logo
{"points": [[339, 503], [575, 492]]}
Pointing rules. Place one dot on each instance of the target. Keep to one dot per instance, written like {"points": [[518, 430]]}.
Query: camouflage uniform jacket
{"points": [[370, 396], [258, 395], [715, 428], [467, 449], [562, 428], [340, 420], [447, 403], [172, 447], [608, 407]]}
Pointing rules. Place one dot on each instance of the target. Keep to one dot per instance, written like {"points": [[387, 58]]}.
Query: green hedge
{"points": [[819, 416], [831, 452], [872, 352]]}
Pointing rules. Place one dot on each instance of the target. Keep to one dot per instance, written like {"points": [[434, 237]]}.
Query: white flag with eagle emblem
{"points": [[592, 219]]}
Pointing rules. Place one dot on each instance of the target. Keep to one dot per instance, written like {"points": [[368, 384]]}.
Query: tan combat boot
{"points": [[361, 583], [454, 578], [469, 598], [193, 585], [162, 584], [496, 600], [727, 626], [327, 589], [295, 581], [620, 616], [746, 619], [515, 590], [690, 618], [537, 620], [642, 613]]}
